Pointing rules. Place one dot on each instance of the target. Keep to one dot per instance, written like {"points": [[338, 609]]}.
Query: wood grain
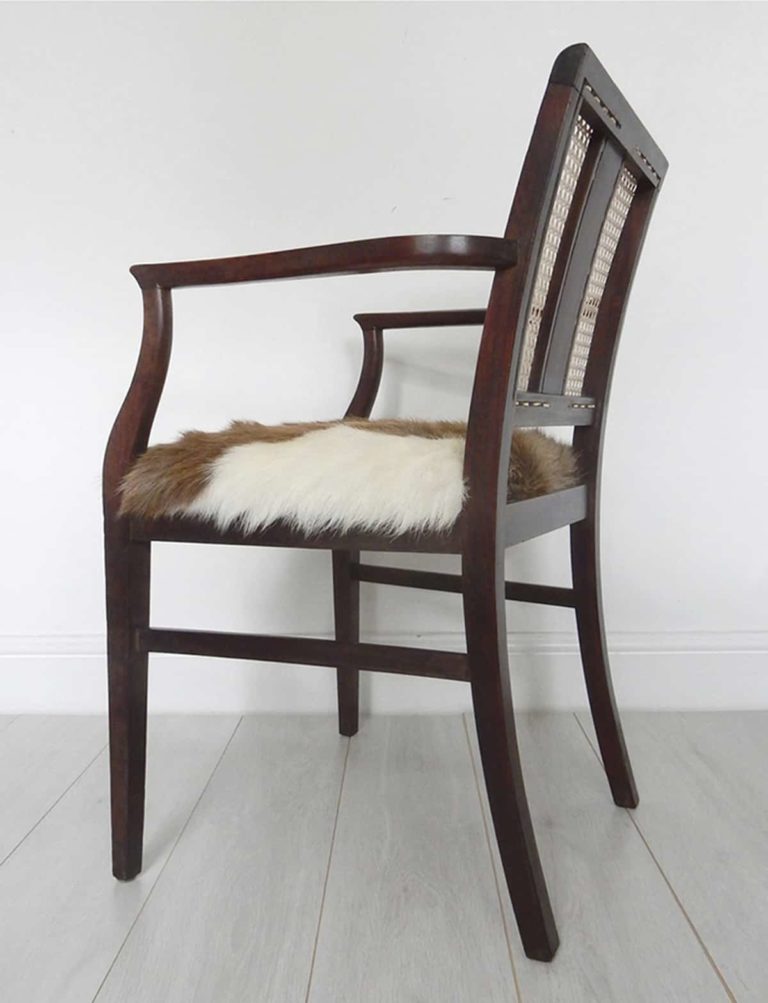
{"points": [[234, 915], [411, 910], [704, 814], [64, 916], [39, 758], [354, 257], [624, 938], [5, 721], [308, 651]]}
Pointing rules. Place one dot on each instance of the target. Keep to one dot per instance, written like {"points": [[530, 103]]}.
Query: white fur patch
{"points": [[337, 478]]}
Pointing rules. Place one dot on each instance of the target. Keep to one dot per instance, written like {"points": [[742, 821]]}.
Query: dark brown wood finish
{"points": [[364, 396], [523, 520], [488, 525], [489, 436], [434, 581], [585, 536], [186, 530], [492, 416], [346, 611], [356, 257], [346, 588], [607, 108], [421, 318], [307, 651], [127, 563]]}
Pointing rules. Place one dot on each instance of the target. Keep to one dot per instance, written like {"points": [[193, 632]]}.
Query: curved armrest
{"points": [[374, 324], [358, 256], [420, 318]]}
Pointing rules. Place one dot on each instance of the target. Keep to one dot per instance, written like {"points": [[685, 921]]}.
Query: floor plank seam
{"points": [[486, 830], [167, 859], [327, 872], [50, 808], [713, 964]]}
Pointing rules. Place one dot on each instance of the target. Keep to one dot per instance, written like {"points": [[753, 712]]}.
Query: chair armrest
{"points": [[359, 256], [373, 325], [420, 318]]}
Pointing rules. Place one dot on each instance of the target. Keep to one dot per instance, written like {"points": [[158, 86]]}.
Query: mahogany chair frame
{"points": [[579, 91]]}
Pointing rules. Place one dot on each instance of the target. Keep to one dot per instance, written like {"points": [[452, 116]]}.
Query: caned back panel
{"points": [[610, 233], [558, 215], [597, 183], [579, 216]]}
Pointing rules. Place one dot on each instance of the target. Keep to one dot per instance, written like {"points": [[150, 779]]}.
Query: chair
{"points": [[562, 275]]}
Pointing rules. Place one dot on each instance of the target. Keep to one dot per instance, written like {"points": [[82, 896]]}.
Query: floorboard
{"points": [[63, 915], [411, 910], [704, 812], [286, 865], [235, 913], [5, 720], [39, 758], [623, 936]]}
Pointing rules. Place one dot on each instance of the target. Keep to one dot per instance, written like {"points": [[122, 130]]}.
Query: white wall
{"points": [[151, 131]]}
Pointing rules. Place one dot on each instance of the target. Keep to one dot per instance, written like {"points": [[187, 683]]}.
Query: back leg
{"points": [[585, 566], [494, 720], [346, 607]]}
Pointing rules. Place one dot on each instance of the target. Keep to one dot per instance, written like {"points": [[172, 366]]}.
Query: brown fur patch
{"points": [[170, 476]]}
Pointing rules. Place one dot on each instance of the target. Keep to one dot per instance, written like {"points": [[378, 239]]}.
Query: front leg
{"points": [[127, 574], [346, 606]]}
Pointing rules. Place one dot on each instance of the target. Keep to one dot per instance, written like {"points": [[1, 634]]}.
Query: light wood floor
{"points": [[284, 864]]}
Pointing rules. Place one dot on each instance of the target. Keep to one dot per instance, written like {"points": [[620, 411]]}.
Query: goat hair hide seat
{"points": [[392, 475]]}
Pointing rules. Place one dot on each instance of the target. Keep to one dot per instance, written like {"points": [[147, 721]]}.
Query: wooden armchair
{"points": [[562, 275]]}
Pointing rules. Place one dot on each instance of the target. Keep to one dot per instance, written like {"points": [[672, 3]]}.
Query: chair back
{"points": [[580, 213]]}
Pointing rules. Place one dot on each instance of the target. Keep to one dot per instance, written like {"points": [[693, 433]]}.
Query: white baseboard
{"points": [[662, 671]]}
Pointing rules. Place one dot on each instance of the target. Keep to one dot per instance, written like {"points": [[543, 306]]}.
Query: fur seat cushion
{"points": [[393, 476]]}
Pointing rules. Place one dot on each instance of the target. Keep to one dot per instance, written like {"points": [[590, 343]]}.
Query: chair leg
{"points": [[494, 720], [585, 565], [346, 607], [127, 567]]}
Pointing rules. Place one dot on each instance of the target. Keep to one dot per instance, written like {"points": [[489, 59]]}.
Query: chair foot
{"points": [[124, 869], [594, 657], [348, 693], [513, 827], [346, 607]]}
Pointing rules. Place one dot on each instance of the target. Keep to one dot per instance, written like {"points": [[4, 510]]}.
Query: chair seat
{"points": [[390, 476]]}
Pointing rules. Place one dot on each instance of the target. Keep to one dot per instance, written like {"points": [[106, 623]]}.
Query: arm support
{"points": [[532, 410], [355, 257], [373, 326]]}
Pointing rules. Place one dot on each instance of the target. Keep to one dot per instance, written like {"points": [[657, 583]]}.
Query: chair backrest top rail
{"points": [[578, 67]]}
